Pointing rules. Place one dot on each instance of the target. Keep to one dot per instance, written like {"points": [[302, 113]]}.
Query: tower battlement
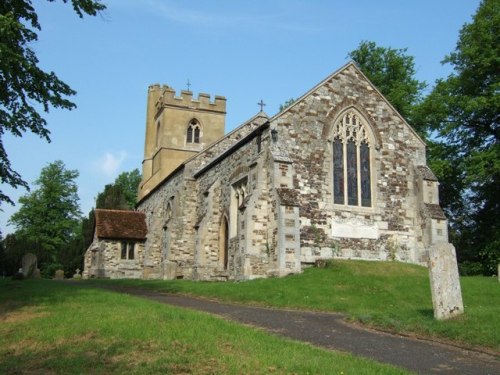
{"points": [[168, 98]]}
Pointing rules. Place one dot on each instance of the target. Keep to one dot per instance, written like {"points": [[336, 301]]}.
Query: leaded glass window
{"points": [[364, 152], [351, 161], [352, 174], [338, 176]]}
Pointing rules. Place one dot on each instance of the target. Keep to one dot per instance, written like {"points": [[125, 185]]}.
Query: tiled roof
{"points": [[119, 224], [434, 211], [426, 173]]}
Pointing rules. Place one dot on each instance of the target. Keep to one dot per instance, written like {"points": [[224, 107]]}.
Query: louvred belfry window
{"points": [[351, 161]]}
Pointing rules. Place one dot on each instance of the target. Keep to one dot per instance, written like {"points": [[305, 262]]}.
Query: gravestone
{"points": [[77, 274], [29, 265], [445, 283], [59, 275]]}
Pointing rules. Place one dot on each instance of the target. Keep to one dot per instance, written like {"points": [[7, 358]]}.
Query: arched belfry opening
{"points": [[193, 131], [224, 243]]}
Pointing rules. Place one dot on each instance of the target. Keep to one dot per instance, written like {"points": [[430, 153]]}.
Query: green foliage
{"points": [[122, 194], [24, 87], [52, 327], [50, 214], [87, 228], [467, 268], [48, 270], [18, 276], [129, 183], [392, 71], [287, 104], [463, 112], [112, 198]]}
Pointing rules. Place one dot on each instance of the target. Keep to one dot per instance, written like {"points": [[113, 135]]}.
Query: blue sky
{"points": [[244, 50]]}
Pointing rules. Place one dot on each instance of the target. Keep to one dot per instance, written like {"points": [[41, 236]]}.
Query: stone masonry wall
{"points": [[393, 219], [177, 248], [249, 255], [103, 260]]}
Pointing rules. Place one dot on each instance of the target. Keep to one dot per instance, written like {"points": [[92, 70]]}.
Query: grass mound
{"points": [[389, 295], [54, 328]]}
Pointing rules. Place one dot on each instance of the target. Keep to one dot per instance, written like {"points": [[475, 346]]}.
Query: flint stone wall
{"points": [[391, 228]]}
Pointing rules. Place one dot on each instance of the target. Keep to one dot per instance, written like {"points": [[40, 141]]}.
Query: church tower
{"points": [[177, 127]]}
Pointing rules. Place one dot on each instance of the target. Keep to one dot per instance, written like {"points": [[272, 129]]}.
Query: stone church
{"points": [[338, 174]]}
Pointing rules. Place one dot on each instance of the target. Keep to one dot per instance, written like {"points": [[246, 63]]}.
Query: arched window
{"points": [[193, 132], [224, 243], [352, 149]]}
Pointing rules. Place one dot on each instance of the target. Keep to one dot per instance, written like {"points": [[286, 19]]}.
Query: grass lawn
{"points": [[388, 295], [47, 327]]}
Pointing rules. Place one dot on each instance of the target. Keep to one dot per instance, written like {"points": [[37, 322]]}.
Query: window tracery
{"points": [[193, 132], [352, 149]]}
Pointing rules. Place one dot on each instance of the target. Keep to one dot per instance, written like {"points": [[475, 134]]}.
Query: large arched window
{"points": [[352, 149], [193, 132]]}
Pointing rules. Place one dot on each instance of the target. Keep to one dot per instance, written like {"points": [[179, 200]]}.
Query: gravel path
{"points": [[329, 330]]}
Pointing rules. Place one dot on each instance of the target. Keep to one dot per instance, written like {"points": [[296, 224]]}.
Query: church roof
{"points": [[118, 224], [434, 211], [426, 173]]}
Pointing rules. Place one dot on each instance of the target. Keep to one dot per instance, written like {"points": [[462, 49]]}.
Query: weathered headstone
{"points": [[29, 265], [445, 283], [77, 274], [37, 274], [59, 275]]}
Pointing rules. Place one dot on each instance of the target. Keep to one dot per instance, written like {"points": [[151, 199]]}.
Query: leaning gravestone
{"points": [[29, 265], [445, 282], [59, 275]]}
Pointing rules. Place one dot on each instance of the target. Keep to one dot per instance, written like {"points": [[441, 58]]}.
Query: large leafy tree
{"points": [[392, 71], [129, 183], [25, 89], [122, 193], [463, 111], [49, 215]]}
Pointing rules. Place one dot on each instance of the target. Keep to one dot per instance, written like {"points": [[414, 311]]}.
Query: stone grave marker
{"points": [[445, 283], [59, 275], [29, 265], [77, 274]]}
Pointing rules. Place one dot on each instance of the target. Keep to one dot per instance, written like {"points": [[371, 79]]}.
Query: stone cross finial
{"points": [[189, 85], [262, 105]]}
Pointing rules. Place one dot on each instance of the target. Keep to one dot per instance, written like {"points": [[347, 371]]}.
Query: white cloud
{"points": [[110, 163], [219, 17]]}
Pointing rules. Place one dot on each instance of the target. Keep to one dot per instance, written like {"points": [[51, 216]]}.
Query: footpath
{"points": [[329, 330]]}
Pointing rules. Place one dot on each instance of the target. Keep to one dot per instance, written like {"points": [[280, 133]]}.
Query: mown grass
{"points": [[53, 328], [388, 295]]}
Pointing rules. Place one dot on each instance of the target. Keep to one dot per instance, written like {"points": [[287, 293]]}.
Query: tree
{"points": [[129, 183], [463, 111], [392, 71], [122, 193], [23, 85], [50, 214], [112, 198], [287, 104]]}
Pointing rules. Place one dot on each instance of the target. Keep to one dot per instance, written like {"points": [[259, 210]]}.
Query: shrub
{"points": [[49, 269], [468, 268]]}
